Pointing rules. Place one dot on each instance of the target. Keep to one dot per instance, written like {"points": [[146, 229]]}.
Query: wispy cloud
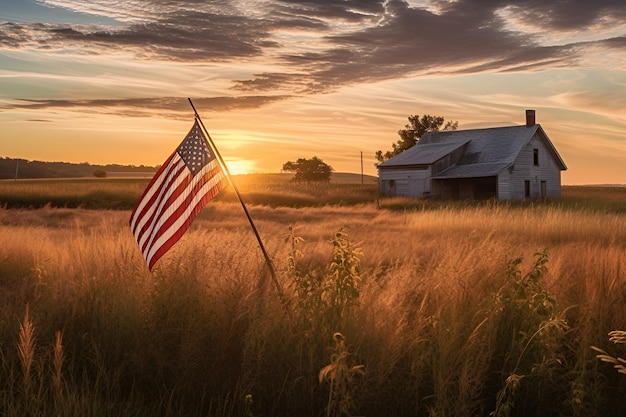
{"points": [[172, 107], [319, 46]]}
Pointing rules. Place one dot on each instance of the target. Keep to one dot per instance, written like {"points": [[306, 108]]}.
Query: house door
{"points": [[526, 188], [543, 189]]}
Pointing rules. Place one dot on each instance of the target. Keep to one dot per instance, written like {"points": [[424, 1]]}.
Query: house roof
{"points": [[487, 151], [471, 171], [425, 154]]}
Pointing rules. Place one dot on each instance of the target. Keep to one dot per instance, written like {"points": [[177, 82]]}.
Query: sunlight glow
{"points": [[240, 166]]}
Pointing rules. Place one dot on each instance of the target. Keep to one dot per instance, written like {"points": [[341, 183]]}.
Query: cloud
{"points": [[616, 43], [410, 41], [352, 11], [188, 37], [173, 107], [569, 14], [312, 46]]}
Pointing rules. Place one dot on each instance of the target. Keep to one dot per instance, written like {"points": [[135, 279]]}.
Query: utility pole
{"points": [[17, 166], [361, 167]]}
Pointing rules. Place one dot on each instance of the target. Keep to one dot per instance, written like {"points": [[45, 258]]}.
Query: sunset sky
{"points": [[107, 81]]}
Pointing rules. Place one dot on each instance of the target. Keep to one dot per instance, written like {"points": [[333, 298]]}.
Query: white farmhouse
{"points": [[508, 163]]}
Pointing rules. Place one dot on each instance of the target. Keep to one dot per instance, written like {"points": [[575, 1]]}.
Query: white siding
{"points": [[524, 169], [504, 186], [404, 182]]}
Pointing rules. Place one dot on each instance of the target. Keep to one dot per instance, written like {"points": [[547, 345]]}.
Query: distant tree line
{"points": [[40, 169]]}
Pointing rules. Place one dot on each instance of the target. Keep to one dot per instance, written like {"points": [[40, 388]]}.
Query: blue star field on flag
{"points": [[194, 150]]}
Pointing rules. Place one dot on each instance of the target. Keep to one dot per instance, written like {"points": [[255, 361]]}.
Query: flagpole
{"points": [[268, 261]]}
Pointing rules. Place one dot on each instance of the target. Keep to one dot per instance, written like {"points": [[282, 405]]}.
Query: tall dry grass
{"points": [[437, 321]]}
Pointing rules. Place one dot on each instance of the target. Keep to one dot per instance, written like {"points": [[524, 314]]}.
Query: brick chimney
{"points": [[530, 117]]}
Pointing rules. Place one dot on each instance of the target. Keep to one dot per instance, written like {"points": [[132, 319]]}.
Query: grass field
{"points": [[123, 193], [442, 308]]}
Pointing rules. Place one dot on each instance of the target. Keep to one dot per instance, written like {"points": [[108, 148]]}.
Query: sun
{"points": [[239, 166]]}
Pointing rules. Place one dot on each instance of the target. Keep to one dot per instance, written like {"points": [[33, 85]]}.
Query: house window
{"points": [[536, 156], [526, 188], [544, 189]]}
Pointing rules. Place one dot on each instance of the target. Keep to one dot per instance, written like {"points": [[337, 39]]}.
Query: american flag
{"points": [[187, 180]]}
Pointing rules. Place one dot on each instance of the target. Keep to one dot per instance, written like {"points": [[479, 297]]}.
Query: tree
{"points": [[313, 169], [413, 131], [100, 173]]}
